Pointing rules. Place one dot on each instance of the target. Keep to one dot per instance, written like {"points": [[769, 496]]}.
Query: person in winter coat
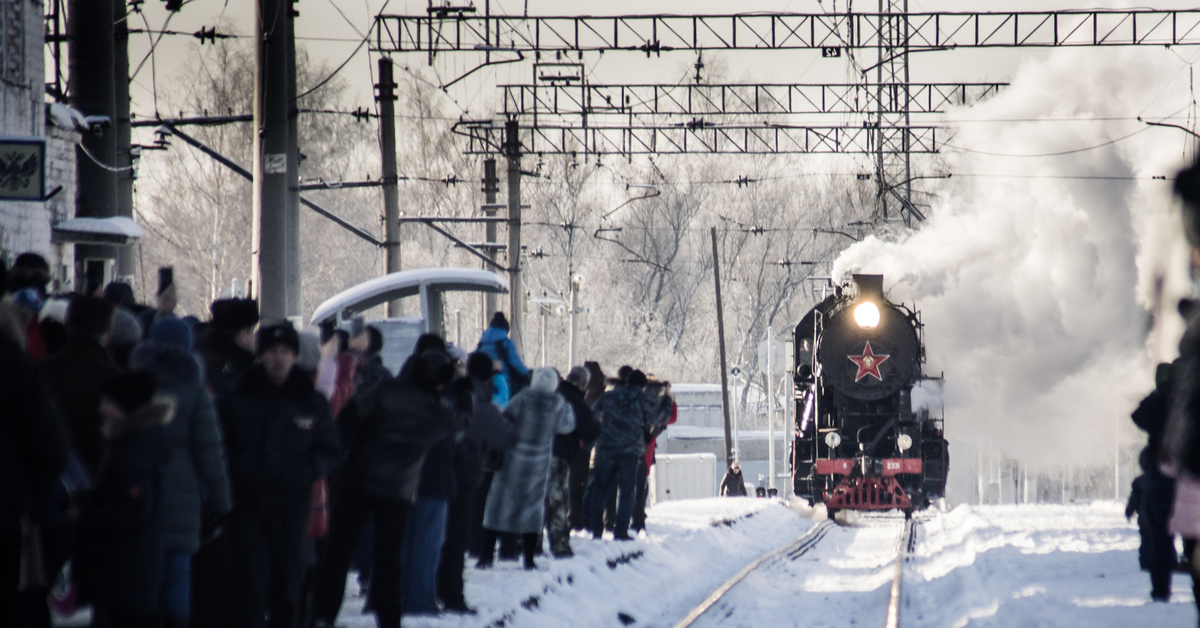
{"points": [[280, 438], [228, 350], [627, 414], [195, 484], [33, 452], [372, 370], [486, 429], [516, 500], [498, 434], [1157, 551], [389, 431], [497, 345], [655, 389], [732, 485], [76, 374], [566, 447], [119, 564], [582, 463]]}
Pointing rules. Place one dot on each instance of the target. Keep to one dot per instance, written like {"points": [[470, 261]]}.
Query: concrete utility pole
{"points": [[491, 185], [124, 136], [721, 344], [516, 315], [295, 300], [576, 284], [92, 86], [272, 21], [391, 192]]}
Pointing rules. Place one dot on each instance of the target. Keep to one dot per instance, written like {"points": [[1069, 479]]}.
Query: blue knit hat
{"points": [[173, 332]]}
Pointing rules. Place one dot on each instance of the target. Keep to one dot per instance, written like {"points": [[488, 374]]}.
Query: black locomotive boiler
{"points": [[859, 443]]}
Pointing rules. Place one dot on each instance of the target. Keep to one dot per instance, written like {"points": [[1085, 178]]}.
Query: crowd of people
{"points": [[169, 471], [1166, 496]]}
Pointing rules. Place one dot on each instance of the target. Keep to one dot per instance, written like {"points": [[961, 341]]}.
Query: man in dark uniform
{"points": [[229, 349], [280, 438]]}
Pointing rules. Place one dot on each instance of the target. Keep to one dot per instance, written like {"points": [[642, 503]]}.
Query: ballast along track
{"points": [[905, 544]]}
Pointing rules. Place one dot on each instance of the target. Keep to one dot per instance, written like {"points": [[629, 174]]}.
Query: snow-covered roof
{"points": [[407, 283], [66, 117], [112, 230]]}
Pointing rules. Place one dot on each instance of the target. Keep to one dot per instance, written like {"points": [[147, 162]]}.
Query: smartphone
{"points": [[356, 326], [166, 277]]}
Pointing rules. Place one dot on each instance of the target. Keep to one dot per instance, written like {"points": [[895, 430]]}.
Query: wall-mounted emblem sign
{"points": [[22, 168]]}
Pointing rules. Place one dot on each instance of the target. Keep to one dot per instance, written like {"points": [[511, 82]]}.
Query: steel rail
{"points": [[906, 545], [809, 538]]}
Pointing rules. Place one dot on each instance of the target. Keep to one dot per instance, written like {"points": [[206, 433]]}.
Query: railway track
{"points": [[905, 545]]}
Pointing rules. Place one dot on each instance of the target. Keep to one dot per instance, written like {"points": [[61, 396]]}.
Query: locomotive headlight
{"points": [[833, 440], [904, 441], [866, 314]]}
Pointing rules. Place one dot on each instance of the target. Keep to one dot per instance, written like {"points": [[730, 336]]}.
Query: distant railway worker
{"points": [[1181, 438], [1157, 553], [496, 343], [626, 415], [732, 484]]}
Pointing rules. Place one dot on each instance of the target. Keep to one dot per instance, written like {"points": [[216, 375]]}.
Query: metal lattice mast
{"points": [[893, 163]]}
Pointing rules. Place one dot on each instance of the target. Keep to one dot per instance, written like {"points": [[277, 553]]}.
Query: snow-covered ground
{"points": [[1042, 565], [1039, 565]]}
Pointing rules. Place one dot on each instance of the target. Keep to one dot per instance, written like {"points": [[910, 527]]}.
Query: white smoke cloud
{"points": [[1035, 291]]}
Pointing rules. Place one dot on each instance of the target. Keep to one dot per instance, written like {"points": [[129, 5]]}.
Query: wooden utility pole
{"points": [[516, 294], [272, 21], [721, 344], [386, 98]]}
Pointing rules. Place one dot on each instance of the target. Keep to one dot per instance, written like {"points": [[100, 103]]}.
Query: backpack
{"points": [[516, 381]]}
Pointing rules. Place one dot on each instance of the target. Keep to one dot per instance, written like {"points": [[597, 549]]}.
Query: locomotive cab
{"points": [[858, 442]]}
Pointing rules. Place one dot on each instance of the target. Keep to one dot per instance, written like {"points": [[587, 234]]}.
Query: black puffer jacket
{"points": [[119, 560], [225, 363], [587, 427], [195, 481], [33, 439], [389, 432], [279, 438]]}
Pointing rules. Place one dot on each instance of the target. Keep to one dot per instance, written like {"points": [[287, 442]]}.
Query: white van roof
{"points": [[407, 283]]}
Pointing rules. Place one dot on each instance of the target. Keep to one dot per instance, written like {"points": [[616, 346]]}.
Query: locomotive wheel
{"points": [[830, 513]]}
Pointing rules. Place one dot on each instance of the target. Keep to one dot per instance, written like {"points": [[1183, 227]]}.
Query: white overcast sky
{"points": [[331, 29]]}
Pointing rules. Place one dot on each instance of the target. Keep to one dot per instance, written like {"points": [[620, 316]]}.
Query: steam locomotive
{"points": [[859, 442]]}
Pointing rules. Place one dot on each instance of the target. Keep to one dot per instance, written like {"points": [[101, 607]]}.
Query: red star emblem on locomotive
{"points": [[868, 363]]}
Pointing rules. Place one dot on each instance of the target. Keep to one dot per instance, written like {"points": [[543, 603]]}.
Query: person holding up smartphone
{"points": [[166, 300]]}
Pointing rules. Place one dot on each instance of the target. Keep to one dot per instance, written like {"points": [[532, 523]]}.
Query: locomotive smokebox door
{"points": [[869, 349]]}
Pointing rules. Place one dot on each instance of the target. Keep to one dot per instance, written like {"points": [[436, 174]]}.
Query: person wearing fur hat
{"points": [[496, 343], [516, 502], [228, 349], [195, 484], [280, 438], [118, 564]]}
